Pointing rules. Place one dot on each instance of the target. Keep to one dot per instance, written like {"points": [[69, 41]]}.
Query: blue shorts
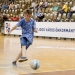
{"points": [[23, 41]]}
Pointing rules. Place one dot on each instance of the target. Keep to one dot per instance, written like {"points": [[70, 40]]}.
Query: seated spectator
{"points": [[34, 5], [40, 16], [14, 18], [55, 9], [6, 6], [3, 6], [11, 6], [72, 11], [64, 9]]}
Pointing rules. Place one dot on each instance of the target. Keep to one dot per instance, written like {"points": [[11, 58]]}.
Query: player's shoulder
{"points": [[22, 19], [32, 20]]}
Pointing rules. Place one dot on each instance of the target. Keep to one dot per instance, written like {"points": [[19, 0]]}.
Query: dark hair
{"points": [[27, 11]]}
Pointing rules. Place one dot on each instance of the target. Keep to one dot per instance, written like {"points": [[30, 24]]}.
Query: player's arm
{"points": [[12, 29], [34, 27]]}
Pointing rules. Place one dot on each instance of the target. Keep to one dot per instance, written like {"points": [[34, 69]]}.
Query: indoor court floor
{"points": [[57, 57]]}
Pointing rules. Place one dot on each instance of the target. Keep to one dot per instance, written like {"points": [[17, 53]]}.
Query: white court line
{"points": [[56, 47], [6, 67]]}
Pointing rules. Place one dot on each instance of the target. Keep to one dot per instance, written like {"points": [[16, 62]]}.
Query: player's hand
{"points": [[36, 31]]}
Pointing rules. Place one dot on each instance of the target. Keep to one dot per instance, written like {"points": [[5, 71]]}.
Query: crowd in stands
{"points": [[43, 10]]}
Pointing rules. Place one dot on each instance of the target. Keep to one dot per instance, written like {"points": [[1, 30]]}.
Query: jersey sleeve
{"points": [[20, 23], [34, 24]]}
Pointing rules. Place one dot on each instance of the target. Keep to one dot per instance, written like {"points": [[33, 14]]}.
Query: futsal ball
{"points": [[34, 64]]}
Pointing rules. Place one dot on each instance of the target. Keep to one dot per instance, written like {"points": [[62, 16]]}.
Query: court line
{"points": [[56, 47], [6, 67]]}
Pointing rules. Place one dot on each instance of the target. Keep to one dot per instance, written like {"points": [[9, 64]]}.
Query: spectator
{"points": [[14, 18], [3, 6], [11, 6], [72, 11], [6, 6], [40, 16], [34, 4], [55, 8], [64, 9]]}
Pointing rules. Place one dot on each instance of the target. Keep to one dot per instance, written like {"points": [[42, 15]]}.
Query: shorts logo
{"points": [[7, 27]]}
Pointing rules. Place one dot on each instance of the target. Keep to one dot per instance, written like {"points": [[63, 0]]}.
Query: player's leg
{"points": [[19, 56], [23, 51], [23, 44], [22, 54]]}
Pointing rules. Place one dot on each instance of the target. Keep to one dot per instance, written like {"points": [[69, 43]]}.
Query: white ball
{"points": [[34, 64]]}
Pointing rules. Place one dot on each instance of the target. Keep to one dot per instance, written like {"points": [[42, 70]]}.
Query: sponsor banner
{"points": [[47, 29], [9, 25]]}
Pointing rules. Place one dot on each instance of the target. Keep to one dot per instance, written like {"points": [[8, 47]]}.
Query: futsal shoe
{"points": [[22, 59], [14, 63]]}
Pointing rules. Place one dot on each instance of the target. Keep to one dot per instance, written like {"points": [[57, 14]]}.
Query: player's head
{"points": [[27, 14]]}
